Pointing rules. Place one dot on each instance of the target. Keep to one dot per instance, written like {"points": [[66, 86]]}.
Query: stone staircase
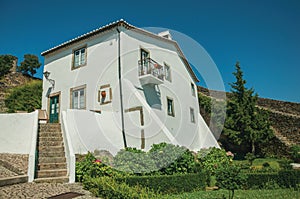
{"points": [[51, 161]]}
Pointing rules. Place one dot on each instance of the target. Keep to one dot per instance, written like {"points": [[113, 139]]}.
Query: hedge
{"points": [[170, 184], [284, 179], [107, 188]]}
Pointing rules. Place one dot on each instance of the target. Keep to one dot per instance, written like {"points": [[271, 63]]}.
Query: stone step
{"points": [[50, 127], [44, 148], [45, 166], [50, 143], [50, 139], [49, 134], [53, 153], [51, 160], [63, 179], [51, 173]]}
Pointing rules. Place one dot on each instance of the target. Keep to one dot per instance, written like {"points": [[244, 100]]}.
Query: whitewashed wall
{"points": [[17, 131], [102, 69]]}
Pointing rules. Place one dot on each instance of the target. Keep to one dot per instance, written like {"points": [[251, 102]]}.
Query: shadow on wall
{"points": [[152, 95]]}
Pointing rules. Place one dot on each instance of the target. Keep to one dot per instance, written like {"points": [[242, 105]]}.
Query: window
{"points": [[170, 107], [79, 57], [78, 98], [167, 72], [105, 94], [193, 89], [192, 115]]}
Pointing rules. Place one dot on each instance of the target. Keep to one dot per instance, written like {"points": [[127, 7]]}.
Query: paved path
{"points": [[4, 172], [41, 190]]}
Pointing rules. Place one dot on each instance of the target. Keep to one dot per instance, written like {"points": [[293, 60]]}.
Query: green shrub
{"points": [[289, 178], [230, 177], [25, 98], [295, 153], [91, 167], [170, 159], [134, 161], [163, 158], [108, 188], [213, 159], [282, 179], [259, 180], [177, 183]]}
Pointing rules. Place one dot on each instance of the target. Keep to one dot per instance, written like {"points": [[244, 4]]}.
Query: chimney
{"points": [[165, 34]]}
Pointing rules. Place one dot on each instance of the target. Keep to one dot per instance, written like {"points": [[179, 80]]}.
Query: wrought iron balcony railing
{"points": [[150, 67]]}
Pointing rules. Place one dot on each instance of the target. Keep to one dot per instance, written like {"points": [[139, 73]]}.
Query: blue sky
{"points": [[262, 35]]}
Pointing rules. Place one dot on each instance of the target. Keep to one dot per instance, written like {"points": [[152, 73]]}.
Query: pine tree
{"points": [[30, 64], [245, 123]]}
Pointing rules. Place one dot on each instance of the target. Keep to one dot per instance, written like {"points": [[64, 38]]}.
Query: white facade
{"points": [[157, 107]]}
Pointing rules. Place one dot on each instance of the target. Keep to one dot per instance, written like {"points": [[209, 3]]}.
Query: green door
{"points": [[54, 109]]}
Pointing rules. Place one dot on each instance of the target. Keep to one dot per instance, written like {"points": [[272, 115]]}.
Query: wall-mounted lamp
{"points": [[47, 74]]}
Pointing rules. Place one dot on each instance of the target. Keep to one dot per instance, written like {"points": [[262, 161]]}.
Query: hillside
{"points": [[284, 117], [9, 81]]}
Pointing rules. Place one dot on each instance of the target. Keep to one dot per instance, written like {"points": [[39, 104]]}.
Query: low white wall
{"points": [[70, 156], [16, 132]]}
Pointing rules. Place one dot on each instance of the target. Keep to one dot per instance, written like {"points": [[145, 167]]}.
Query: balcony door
{"points": [[145, 55]]}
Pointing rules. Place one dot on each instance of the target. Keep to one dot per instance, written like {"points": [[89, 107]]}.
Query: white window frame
{"points": [[79, 104], [82, 57]]}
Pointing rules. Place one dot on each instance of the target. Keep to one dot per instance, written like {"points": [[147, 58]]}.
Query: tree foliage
{"points": [[30, 64], [25, 98], [245, 124], [230, 177], [213, 158], [6, 63]]}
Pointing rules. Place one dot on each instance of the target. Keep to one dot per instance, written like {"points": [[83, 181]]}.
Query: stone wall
{"points": [[288, 126], [282, 106]]}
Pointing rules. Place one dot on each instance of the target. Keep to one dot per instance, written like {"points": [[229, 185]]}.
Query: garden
{"points": [[252, 170], [169, 171]]}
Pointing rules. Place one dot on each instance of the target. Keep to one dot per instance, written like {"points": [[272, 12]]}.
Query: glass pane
{"points": [[82, 57], [192, 115], [76, 58], [170, 107], [75, 100], [81, 102]]}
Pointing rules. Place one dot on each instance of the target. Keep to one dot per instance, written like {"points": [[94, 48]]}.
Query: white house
{"points": [[121, 85]]}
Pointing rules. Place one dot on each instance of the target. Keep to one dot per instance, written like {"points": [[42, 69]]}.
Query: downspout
{"points": [[120, 85]]}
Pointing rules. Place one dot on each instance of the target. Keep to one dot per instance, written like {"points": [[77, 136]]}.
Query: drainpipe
{"points": [[120, 85]]}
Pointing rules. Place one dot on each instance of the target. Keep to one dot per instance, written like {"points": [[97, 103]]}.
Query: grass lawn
{"points": [[258, 162], [251, 194]]}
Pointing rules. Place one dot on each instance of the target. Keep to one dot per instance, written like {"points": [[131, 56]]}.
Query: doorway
{"points": [[54, 109]]}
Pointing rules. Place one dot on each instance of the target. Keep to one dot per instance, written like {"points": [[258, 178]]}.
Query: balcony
{"points": [[150, 72]]}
